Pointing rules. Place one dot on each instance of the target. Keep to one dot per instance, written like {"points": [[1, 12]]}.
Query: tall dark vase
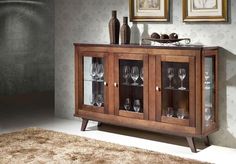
{"points": [[125, 31], [114, 28]]}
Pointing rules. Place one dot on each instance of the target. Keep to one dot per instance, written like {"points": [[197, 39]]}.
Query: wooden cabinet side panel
{"points": [[151, 88]]}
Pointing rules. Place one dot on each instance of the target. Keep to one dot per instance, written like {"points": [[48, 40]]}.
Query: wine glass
{"points": [[207, 82], [127, 104], [141, 75], [126, 74], [93, 71], [170, 72], [92, 99], [134, 74], [136, 105], [182, 75], [100, 71], [208, 115], [99, 100], [181, 113], [170, 112]]}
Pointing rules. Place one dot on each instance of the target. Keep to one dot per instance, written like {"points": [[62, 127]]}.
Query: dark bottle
{"points": [[114, 28], [125, 31]]}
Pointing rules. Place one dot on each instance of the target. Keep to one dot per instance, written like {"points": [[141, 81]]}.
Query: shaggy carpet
{"points": [[36, 145]]}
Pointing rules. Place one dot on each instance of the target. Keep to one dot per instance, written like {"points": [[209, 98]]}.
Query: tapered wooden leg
{"points": [[84, 124], [99, 124], [191, 144], [207, 141]]}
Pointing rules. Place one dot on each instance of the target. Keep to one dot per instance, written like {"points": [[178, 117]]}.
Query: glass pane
{"points": [[93, 72], [209, 91], [131, 85], [175, 94]]}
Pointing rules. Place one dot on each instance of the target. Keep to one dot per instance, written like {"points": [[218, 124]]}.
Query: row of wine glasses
{"points": [[207, 80], [136, 105], [97, 100], [96, 71], [180, 114], [181, 74], [132, 72]]}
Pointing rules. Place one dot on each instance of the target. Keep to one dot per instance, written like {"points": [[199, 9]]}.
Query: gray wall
{"points": [[26, 46], [87, 21]]}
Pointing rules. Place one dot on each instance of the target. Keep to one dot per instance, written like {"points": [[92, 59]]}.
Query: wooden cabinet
{"points": [[161, 89]]}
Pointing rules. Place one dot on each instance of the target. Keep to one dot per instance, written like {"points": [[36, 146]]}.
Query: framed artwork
{"points": [[149, 10], [205, 10]]}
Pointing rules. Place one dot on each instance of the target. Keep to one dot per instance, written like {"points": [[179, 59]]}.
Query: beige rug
{"points": [[35, 145]]}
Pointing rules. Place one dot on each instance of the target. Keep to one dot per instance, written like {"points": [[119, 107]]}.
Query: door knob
{"points": [[115, 84], [158, 88], [105, 83]]}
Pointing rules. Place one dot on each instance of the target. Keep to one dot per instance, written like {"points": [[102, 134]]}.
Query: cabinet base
{"points": [[190, 140]]}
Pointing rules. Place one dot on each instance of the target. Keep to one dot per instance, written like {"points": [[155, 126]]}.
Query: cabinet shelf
{"points": [[175, 89], [93, 80], [130, 85]]}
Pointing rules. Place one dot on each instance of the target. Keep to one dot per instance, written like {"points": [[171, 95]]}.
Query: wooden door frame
{"points": [[131, 56]]}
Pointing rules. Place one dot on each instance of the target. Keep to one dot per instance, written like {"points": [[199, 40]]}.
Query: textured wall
{"points": [[86, 21], [26, 46]]}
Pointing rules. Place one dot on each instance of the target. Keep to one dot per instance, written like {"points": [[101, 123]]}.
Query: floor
{"points": [[15, 115]]}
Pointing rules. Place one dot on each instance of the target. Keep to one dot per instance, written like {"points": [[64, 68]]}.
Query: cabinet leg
{"points": [[191, 144], [99, 124], [207, 141], [84, 124]]}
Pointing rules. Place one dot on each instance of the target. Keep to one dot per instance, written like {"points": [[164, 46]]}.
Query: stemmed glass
{"points": [[181, 114], [93, 71], [208, 115], [182, 75], [127, 104], [170, 112], [207, 82], [170, 72], [134, 74], [100, 71], [136, 105], [99, 100], [141, 75], [126, 74], [92, 99]]}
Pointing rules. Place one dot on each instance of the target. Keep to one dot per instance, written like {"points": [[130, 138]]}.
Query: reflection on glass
{"points": [[136, 105], [127, 104], [182, 75], [170, 112], [93, 74], [170, 72], [135, 74], [141, 74], [126, 74], [92, 99]]}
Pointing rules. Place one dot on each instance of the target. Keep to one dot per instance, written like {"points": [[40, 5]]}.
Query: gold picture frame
{"points": [[149, 10], [205, 10]]}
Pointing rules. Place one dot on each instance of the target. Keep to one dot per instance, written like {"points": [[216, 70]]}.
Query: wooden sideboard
{"points": [[161, 89]]}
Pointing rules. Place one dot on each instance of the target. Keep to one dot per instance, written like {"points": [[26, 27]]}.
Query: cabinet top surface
{"points": [[193, 47]]}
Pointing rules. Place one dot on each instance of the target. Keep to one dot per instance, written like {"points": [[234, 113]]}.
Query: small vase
{"points": [[114, 28], [125, 31]]}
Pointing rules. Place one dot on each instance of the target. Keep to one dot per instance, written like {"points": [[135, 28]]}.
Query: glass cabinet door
{"points": [[209, 92], [177, 89], [93, 73], [130, 81]]}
